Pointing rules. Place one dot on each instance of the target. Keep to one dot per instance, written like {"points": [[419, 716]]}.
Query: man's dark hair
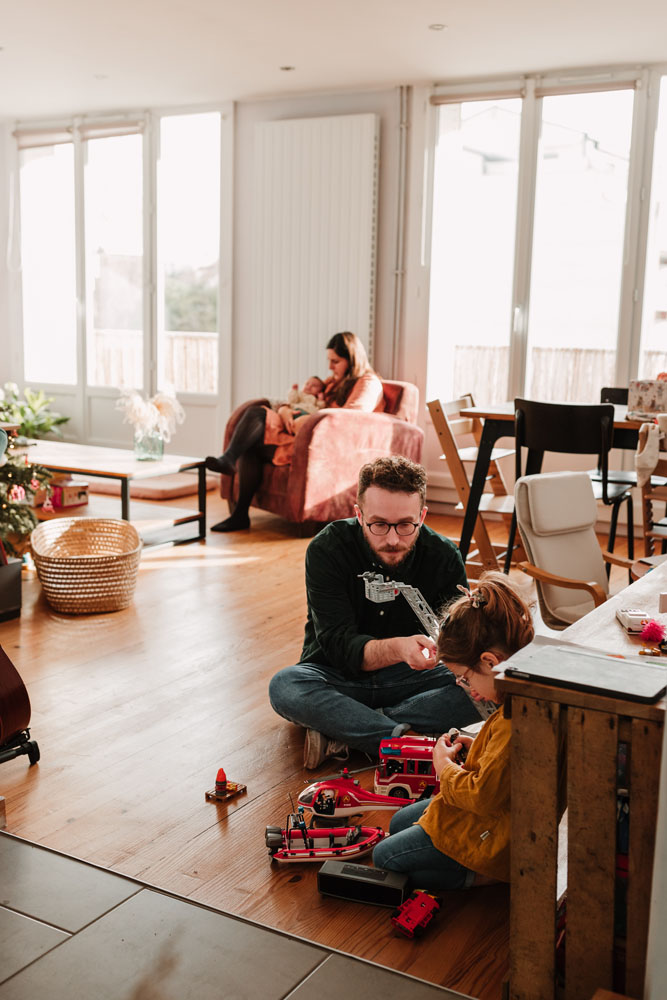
{"points": [[393, 473]]}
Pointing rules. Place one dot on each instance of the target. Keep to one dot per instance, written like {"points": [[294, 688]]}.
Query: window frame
{"points": [[88, 405], [531, 89]]}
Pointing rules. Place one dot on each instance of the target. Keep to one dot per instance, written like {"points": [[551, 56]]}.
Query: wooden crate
{"points": [[565, 754]]}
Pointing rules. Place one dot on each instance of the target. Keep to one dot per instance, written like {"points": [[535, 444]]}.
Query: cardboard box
{"points": [[646, 397], [69, 493], [66, 491]]}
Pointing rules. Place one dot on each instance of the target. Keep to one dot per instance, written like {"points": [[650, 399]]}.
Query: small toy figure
{"points": [[413, 916], [453, 736], [224, 789], [300, 824]]}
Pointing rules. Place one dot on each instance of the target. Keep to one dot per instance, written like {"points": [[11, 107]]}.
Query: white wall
{"points": [[383, 103], [6, 366]]}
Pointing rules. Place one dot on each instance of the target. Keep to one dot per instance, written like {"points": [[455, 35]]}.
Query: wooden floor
{"points": [[135, 711]]}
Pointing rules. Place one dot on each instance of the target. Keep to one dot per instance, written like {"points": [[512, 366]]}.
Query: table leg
{"points": [[201, 493], [491, 432], [534, 856], [125, 499], [592, 750]]}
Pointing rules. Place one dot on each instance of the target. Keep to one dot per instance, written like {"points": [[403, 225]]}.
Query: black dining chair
{"points": [[571, 429], [618, 396]]}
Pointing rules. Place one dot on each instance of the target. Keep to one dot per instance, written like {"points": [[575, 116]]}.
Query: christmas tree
{"points": [[19, 480]]}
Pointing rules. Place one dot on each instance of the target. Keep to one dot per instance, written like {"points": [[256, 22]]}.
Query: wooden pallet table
{"points": [[565, 746]]}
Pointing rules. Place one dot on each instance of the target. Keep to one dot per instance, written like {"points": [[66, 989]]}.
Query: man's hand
{"points": [[418, 651]]}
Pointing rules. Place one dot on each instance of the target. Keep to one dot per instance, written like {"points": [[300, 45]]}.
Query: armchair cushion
{"points": [[549, 514]]}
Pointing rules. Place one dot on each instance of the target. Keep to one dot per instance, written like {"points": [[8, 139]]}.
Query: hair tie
{"points": [[475, 597]]}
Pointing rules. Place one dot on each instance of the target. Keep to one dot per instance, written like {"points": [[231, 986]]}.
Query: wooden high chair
{"points": [[654, 491], [453, 428]]}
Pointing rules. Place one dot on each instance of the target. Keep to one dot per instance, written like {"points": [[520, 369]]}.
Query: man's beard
{"points": [[396, 565]]}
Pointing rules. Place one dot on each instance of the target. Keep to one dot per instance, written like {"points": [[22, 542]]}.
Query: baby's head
{"points": [[313, 385]]}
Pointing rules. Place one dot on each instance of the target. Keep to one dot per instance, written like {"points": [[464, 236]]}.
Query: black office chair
{"points": [[571, 429]]}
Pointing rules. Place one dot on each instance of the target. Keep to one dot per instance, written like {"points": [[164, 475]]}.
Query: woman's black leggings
{"points": [[248, 452]]}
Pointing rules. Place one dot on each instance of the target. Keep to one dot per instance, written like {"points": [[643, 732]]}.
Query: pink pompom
{"points": [[653, 631]]}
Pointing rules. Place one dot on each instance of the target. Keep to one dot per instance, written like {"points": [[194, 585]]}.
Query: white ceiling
{"points": [[68, 56]]}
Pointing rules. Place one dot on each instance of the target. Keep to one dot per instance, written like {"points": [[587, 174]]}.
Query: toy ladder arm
{"points": [[431, 623], [421, 608]]}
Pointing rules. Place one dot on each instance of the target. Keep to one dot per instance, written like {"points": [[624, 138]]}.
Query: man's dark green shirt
{"points": [[341, 620]]}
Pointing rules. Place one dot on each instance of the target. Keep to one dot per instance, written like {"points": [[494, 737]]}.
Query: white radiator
{"points": [[314, 243]]}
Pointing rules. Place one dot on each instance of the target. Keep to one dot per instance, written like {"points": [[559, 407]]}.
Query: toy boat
{"points": [[297, 842]]}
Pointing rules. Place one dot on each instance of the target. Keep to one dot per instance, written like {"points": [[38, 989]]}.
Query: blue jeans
{"points": [[369, 707], [409, 849]]}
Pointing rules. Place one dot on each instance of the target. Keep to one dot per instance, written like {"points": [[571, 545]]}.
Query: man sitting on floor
{"points": [[367, 671]]}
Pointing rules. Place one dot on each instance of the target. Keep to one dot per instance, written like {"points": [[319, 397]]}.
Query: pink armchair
{"points": [[320, 485]]}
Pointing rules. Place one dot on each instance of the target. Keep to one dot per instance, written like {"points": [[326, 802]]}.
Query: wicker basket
{"points": [[86, 565]]}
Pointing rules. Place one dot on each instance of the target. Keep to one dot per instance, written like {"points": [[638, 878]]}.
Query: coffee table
{"points": [[122, 464]]}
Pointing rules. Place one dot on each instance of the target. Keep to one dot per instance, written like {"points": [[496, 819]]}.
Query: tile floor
{"points": [[72, 931]]}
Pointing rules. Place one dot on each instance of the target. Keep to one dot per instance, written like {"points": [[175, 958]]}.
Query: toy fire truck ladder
{"points": [[380, 591]]}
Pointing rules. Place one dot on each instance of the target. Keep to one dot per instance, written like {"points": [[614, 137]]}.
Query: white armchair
{"points": [[556, 514]]}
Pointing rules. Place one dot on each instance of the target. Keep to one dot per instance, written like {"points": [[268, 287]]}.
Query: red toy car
{"points": [[413, 916]]}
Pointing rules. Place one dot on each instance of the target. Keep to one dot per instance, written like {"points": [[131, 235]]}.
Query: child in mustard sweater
{"points": [[461, 836]]}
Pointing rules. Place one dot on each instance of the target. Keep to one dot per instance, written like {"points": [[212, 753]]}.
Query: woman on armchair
{"points": [[264, 435]]}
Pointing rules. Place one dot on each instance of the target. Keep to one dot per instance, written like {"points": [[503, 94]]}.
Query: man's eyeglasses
{"points": [[383, 527]]}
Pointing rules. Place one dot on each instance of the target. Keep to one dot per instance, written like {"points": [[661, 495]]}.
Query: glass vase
{"points": [[148, 446]]}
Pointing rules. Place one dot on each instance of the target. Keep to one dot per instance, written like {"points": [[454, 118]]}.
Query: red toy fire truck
{"points": [[413, 916], [405, 769]]}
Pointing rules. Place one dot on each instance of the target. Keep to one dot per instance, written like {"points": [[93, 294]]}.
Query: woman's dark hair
{"points": [[348, 346], [494, 618]]}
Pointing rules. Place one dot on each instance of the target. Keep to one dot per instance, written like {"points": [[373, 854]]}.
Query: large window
{"points": [[580, 210], [114, 255], [120, 257], [474, 211], [188, 250], [48, 264], [536, 240], [653, 356]]}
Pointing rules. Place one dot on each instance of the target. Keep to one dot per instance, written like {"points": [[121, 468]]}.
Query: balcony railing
{"points": [[190, 364], [558, 373], [189, 360]]}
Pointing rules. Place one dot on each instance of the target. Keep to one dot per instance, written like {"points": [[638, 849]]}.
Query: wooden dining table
{"points": [[498, 422]]}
